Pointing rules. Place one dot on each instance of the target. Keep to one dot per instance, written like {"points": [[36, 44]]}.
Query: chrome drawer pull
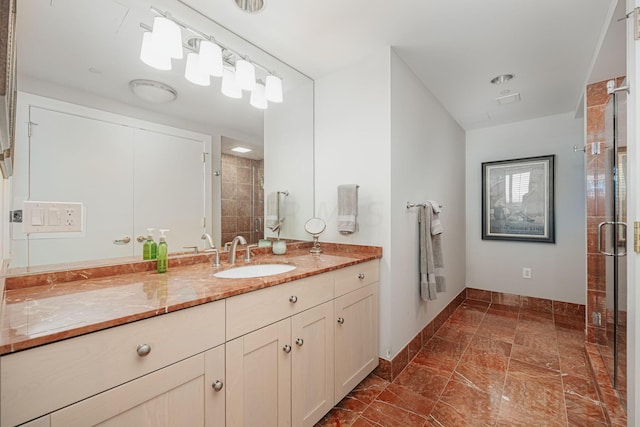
{"points": [[293, 299], [340, 320], [143, 350], [217, 386], [287, 348], [361, 276], [300, 342]]}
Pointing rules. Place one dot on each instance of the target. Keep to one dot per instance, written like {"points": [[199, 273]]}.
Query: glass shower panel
{"points": [[612, 232]]}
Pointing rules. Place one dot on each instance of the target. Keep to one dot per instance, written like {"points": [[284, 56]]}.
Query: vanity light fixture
{"points": [[206, 57], [258, 98], [153, 91], [229, 86]]}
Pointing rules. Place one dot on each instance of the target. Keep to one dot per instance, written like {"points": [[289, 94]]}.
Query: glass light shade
{"points": [[167, 37], [245, 74], [229, 86], [210, 58], [273, 90], [258, 98], [151, 56], [194, 73]]}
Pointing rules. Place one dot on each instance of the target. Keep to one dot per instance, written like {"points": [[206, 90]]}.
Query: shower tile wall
{"points": [[242, 198]]}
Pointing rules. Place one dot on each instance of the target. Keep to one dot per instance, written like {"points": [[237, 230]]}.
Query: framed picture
{"points": [[518, 200]]}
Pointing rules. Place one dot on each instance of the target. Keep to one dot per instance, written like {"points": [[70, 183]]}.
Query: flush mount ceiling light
{"points": [[206, 57], [152, 91], [241, 149], [250, 6], [502, 79]]}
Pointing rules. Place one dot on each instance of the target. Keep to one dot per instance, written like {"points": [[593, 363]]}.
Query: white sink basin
{"points": [[256, 270]]}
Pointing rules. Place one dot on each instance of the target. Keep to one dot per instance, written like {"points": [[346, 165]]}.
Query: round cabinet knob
{"points": [[287, 348], [341, 320], [143, 350], [361, 276], [217, 386], [293, 299], [299, 342]]}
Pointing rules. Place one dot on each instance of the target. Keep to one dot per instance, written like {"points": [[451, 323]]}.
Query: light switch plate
{"points": [[51, 217]]}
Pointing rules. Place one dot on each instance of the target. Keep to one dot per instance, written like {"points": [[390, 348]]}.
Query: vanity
{"points": [[189, 348]]}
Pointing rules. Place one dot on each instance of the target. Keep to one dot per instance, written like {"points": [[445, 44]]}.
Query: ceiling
{"points": [[454, 46]]}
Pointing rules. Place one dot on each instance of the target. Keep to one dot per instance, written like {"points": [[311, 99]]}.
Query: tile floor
{"points": [[488, 365]]}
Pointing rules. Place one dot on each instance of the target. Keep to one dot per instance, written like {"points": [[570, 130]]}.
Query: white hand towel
{"points": [[431, 266], [347, 209], [436, 225]]}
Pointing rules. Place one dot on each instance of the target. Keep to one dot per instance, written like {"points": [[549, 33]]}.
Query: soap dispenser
{"points": [[163, 250], [149, 247]]}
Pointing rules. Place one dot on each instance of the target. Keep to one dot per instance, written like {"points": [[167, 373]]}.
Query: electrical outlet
{"points": [[526, 272]]}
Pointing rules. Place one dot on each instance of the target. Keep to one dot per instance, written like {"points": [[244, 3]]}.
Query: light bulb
{"points": [[151, 56], [245, 74], [210, 58], [229, 86], [258, 98], [194, 73], [167, 37], [273, 91]]}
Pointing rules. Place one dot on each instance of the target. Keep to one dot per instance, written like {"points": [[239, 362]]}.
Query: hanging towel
{"points": [[430, 248], [436, 225], [347, 209], [271, 218]]}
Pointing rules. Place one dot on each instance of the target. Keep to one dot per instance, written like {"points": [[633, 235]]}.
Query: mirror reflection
{"points": [[141, 148]]}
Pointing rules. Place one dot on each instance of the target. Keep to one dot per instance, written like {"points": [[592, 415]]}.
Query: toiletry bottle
{"points": [[163, 250], [149, 247]]}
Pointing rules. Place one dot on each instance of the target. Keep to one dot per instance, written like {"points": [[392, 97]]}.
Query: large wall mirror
{"points": [[147, 160]]}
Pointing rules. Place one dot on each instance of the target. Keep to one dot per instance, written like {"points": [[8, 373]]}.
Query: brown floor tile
{"points": [[384, 414], [489, 364], [472, 403], [422, 380]]}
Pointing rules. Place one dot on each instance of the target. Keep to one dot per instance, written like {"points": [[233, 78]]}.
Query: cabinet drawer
{"points": [[356, 276], [40, 380], [251, 311]]}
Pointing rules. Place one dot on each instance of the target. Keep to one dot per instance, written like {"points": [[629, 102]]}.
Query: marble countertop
{"points": [[41, 313]]}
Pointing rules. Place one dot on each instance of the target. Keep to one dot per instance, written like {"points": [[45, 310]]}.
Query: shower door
{"points": [[612, 242]]}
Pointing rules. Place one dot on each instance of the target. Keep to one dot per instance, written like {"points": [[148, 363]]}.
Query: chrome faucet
{"points": [[234, 245], [207, 237]]}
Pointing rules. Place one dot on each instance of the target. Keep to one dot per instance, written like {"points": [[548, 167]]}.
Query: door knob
{"points": [[123, 241], [217, 385]]}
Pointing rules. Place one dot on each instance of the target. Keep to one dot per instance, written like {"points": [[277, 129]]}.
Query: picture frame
{"points": [[518, 199]]}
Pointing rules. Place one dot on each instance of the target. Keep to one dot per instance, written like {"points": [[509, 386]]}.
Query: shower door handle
{"points": [[258, 224], [602, 250]]}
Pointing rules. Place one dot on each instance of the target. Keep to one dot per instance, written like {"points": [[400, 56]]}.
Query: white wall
{"points": [[427, 163], [352, 133], [558, 270], [379, 127]]}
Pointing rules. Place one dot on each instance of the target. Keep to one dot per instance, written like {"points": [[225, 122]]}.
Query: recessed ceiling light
{"points": [[152, 91], [502, 79], [241, 149], [250, 6]]}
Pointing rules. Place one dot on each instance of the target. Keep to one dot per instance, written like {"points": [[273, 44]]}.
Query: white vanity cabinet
{"points": [[356, 325], [281, 374], [161, 361]]}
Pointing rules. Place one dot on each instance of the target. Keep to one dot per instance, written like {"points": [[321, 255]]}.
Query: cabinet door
{"points": [[356, 353], [175, 395], [312, 364], [259, 377]]}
